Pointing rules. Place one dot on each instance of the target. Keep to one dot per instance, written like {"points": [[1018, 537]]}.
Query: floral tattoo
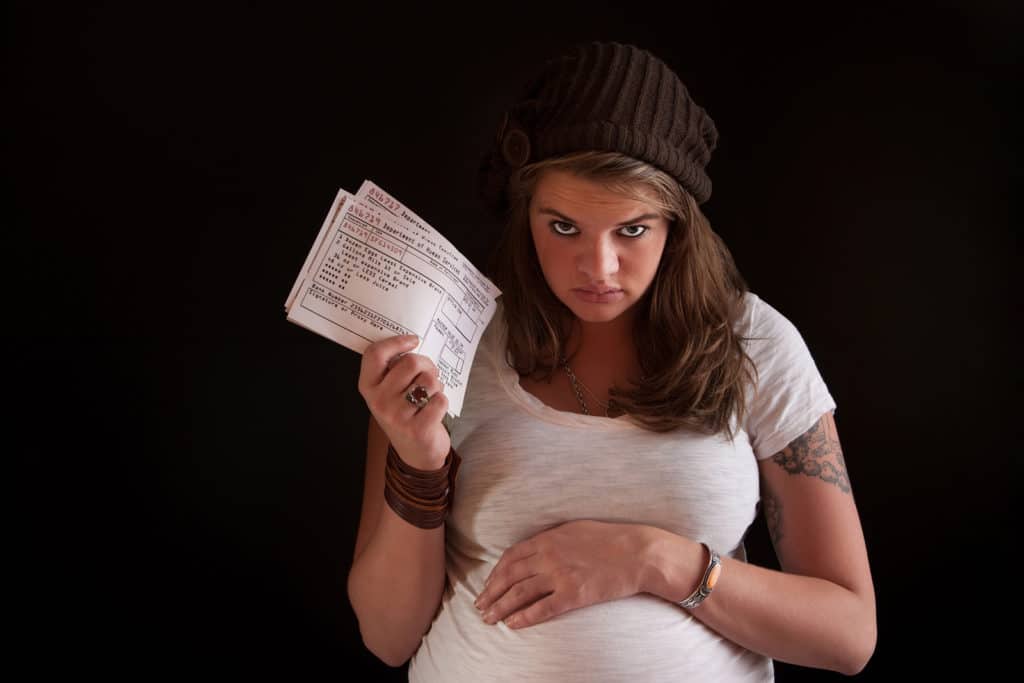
{"points": [[817, 454], [773, 517]]}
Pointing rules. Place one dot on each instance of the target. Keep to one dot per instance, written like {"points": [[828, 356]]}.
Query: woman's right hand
{"points": [[388, 371]]}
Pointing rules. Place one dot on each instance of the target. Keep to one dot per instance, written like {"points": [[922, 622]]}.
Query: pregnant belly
{"points": [[635, 638]]}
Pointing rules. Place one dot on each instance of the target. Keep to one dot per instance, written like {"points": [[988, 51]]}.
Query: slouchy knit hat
{"points": [[603, 97]]}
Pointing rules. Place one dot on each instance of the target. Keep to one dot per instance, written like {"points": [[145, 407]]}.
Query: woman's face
{"points": [[599, 250]]}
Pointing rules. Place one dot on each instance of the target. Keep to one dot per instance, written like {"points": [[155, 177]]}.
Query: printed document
{"points": [[377, 270]]}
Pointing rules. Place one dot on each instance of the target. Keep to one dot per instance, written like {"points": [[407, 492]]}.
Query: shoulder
{"points": [[789, 392], [490, 354], [495, 336], [486, 394], [769, 337], [759, 320]]}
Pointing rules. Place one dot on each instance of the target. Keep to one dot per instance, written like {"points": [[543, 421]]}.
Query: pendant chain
{"points": [[576, 387]]}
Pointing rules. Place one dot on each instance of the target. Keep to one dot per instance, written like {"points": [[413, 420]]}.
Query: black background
{"points": [[188, 464]]}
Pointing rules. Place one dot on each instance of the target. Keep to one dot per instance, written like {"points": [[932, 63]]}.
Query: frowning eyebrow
{"points": [[633, 221]]}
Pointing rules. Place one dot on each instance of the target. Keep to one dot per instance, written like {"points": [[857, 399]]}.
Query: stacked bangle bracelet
{"points": [[420, 497]]}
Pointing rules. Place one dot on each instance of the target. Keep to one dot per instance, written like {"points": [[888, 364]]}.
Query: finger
{"points": [[394, 359], [517, 598], [412, 368], [502, 580], [435, 409], [378, 356], [418, 394], [548, 607], [519, 551]]}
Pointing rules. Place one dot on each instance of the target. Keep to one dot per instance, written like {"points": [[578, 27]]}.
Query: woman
{"points": [[628, 407]]}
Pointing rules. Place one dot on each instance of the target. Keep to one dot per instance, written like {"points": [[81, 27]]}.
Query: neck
{"points": [[604, 351], [602, 334]]}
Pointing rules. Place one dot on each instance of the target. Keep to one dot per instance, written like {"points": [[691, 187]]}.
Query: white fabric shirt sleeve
{"points": [[790, 395]]}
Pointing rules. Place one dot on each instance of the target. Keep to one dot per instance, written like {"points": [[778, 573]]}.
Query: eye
{"points": [[632, 230], [563, 228]]}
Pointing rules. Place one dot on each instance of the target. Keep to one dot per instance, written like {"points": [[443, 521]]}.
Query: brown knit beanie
{"points": [[603, 97]]}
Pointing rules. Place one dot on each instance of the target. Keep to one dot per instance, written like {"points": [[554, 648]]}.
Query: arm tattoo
{"points": [[817, 454], [773, 517]]}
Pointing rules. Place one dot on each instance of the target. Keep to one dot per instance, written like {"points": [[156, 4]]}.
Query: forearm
{"points": [[797, 619], [395, 586]]}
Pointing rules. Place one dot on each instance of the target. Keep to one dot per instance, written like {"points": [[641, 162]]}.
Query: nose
{"points": [[598, 259]]}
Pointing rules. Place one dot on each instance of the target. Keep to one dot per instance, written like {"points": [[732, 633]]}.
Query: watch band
{"points": [[707, 582]]}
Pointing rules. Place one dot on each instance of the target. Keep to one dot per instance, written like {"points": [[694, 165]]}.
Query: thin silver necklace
{"points": [[576, 384]]}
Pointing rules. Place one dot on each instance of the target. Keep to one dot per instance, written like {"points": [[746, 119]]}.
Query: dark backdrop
{"points": [[188, 465]]}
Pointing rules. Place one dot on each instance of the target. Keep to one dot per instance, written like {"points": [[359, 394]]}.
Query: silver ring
{"points": [[417, 395]]}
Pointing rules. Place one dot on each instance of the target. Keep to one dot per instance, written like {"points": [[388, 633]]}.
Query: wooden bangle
{"points": [[420, 497]]}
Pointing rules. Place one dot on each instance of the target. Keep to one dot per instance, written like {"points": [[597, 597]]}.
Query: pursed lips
{"points": [[598, 290], [594, 295]]}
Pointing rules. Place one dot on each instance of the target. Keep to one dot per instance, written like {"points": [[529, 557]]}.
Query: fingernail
{"points": [[512, 621], [489, 617]]}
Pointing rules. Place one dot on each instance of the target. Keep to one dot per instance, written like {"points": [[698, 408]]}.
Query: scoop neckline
{"points": [[509, 379]]}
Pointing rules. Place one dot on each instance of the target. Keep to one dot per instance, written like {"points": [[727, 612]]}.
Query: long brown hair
{"points": [[695, 367]]}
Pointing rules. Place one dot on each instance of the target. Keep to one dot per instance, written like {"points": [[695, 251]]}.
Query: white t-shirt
{"points": [[527, 467]]}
